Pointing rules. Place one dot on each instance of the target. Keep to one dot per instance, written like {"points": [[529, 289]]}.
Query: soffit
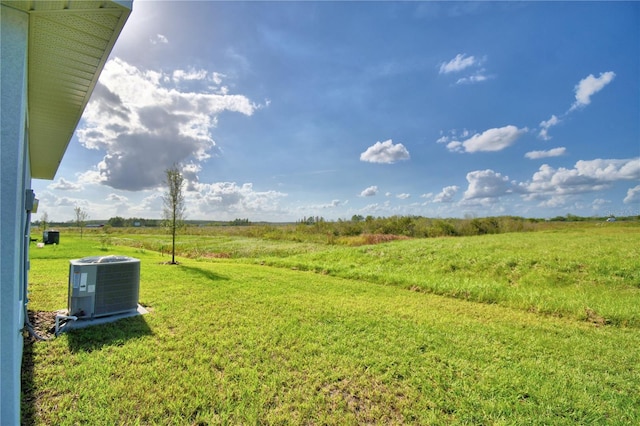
{"points": [[69, 42]]}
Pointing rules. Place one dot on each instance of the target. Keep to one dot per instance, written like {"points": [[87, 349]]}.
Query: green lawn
{"points": [[352, 335]]}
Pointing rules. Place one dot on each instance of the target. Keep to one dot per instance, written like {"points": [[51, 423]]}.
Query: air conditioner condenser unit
{"points": [[103, 285]]}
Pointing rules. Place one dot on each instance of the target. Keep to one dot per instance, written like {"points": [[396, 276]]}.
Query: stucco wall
{"points": [[15, 177]]}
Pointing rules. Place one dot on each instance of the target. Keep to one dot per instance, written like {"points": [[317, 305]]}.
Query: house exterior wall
{"points": [[15, 179], [22, 60]]}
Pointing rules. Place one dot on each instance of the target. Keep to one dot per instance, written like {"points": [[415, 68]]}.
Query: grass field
{"points": [[525, 328]]}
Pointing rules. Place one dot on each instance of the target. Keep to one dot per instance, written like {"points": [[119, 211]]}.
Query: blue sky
{"points": [[282, 110]]}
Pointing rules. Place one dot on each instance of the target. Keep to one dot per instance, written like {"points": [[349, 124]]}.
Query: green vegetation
{"points": [[290, 327], [411, 226]]}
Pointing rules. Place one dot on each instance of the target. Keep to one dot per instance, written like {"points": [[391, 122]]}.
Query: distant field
{"points": [[519, 328], [586, 271]]}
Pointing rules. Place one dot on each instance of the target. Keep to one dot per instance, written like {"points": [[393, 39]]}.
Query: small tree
{"points": [[44, 221], [81, 218], [173, 205]]}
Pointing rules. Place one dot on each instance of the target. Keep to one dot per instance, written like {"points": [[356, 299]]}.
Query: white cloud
{"points": [[159, 38], [455, 146], [610, 170], [633, 195], [151, 203], [117, 198], [453, 134], [217, 77], [555, 152], [369, 192], [550, 122], [457, 64], [403, 196], [446, 195], [495, 139], [545, 125], [586, 176], [475, 78], [182, 75], [463, 62], [487, 184], [229, 199], [145, 125], [427, 196], [555, 201], [70, 202], [385, 152], [372, 208], [309, 209], [590, 85], [64, 185]]}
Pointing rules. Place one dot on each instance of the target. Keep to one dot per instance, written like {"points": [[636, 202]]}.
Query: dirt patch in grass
{"points": [[594, 318], [370, 403], [43, 323]]}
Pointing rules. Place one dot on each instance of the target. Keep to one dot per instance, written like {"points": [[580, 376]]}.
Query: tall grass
{"points": [[587, 271], [592, 275]]}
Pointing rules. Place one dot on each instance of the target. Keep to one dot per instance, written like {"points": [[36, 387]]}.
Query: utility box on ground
{"points": [[103, 285], [51, 237]]}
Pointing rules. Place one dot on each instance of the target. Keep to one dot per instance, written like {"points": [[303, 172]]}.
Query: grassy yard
{"points": [[251, 331]]}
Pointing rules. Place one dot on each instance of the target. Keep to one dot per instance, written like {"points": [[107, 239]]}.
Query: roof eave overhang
{"points": [[69, 43]]}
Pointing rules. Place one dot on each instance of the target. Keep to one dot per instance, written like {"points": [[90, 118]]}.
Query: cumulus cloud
{"points": [[553, 187], [446, 195], [633, 195], [69, 202], [495, 139], [369, 192], [555, 152], [585, 176], [229, 198], [64, 185], [117, 198], [457, 64], [403, 196], [487, 184], [145, 123], [385, 152], [590, 85]]}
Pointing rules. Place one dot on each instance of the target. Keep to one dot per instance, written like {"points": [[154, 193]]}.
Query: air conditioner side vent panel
{"points": [[117, 289]]}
